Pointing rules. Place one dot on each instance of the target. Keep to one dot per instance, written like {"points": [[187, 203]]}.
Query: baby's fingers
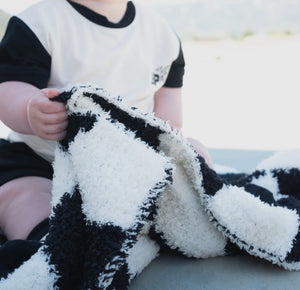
{"points": [[55, 118], [49, 107], [50, 93], [57, 128], [55, 132]]}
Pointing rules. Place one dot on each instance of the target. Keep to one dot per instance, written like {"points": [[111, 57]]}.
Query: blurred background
{"points": [[242, 82]]}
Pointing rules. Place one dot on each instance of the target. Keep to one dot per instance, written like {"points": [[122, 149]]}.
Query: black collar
{"points": [[102, 20]]}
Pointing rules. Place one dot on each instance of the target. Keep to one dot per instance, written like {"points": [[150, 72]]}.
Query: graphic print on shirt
{"points": [[160, 74]]}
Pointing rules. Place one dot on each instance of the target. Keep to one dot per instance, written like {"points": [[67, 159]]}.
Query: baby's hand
{"points": [[47, 119]]}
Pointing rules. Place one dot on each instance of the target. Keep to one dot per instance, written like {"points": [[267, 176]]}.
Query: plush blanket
{"points": [[127, 186]]}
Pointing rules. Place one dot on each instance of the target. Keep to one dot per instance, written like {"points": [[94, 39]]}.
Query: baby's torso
{"points": [[131, 59]]}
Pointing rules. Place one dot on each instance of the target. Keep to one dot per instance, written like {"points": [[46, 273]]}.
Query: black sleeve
{"points": [[175, 76], [22, 56]]}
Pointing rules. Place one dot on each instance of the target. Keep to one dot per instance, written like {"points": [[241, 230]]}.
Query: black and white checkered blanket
{"points": [[126, 185]]}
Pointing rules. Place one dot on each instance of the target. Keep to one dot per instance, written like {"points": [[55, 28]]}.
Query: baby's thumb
{"points": [[50, 93]]}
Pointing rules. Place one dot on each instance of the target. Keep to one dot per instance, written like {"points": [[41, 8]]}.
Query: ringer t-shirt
{"points": [[59, 44]]}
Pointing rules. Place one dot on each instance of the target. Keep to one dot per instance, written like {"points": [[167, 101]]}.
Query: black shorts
{"points": [[19, 160]]}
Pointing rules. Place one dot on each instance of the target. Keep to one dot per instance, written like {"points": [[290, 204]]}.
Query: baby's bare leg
{"points": [[24, 203]]}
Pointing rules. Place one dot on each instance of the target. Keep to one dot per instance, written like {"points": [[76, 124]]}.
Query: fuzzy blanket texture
{"points": [[126, 186]]}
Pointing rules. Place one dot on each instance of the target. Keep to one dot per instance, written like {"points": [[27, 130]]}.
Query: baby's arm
{"points": [[168, 106], [28, 110]]}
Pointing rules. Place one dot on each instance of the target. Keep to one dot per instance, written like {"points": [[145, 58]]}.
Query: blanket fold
{"points": [[126, 185]]}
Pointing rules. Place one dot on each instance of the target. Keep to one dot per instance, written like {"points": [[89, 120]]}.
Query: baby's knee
{"points": [[24, 202], [201, 150], [8, 191], [22, 192]]}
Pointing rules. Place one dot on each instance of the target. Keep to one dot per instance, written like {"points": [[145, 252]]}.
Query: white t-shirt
{"points": [[66, 44]]}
